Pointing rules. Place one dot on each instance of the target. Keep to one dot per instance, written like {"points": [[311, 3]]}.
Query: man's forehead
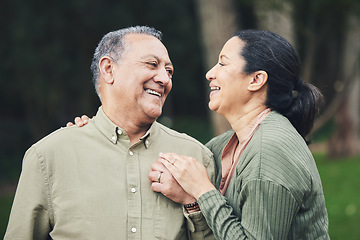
{"points": [[146, 46]]}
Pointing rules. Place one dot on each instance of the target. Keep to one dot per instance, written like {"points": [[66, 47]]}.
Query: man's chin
{"points": [[154, 114]]}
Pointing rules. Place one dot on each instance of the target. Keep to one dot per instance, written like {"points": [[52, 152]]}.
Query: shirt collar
{"points": [[113, 132]]}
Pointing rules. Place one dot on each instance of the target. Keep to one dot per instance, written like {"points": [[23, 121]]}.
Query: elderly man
{"points": [[92, 182]]}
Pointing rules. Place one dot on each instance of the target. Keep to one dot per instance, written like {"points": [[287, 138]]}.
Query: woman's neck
{"points": [[241, 122]]}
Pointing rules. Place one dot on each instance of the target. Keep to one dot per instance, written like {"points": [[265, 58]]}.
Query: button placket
{"points": [[134, 196]]}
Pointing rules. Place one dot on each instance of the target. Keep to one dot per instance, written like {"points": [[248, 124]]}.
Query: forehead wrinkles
{"points": [[142, 46]]}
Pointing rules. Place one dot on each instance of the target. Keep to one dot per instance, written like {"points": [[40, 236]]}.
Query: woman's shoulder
{"points": [[277, 131], [218, 143], [280, 153]]}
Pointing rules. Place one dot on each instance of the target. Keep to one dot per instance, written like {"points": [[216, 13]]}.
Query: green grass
{"points": [[341, 181]]}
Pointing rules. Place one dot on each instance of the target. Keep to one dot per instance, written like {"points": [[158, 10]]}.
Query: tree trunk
{"points": [[218, 24], [345, 141], [276, 16]]}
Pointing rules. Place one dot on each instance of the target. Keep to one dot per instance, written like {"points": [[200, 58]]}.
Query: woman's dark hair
{"points": [[286, 92]]}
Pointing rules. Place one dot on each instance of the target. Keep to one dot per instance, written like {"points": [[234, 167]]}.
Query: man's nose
{"points": [[163, 77]]}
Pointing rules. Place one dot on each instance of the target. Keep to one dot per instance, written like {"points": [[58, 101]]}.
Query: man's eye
{"points": [[170, 71], [153, 64], [221, 64]]}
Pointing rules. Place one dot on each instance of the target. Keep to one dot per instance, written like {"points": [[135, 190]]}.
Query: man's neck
{"points": [[133, 128]]}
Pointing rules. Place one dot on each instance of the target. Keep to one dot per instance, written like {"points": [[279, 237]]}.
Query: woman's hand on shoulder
{"points": [[79, 121]]}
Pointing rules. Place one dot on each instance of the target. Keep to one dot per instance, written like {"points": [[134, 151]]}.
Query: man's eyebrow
{"points": [[169, 63]]}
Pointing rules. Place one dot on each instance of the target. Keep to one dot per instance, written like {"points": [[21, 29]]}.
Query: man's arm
{"points": [[29, 217]]}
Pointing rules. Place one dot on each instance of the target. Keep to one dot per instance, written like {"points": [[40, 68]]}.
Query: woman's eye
{"points": [[221, 64]]}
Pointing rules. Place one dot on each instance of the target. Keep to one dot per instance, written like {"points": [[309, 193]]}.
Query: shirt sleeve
{"points": [[195, 222], [197, 226], [29, 217], [266, 212]]}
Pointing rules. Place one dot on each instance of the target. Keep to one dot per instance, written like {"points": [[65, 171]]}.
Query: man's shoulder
{"points": [[65, 135], [181, 137]]}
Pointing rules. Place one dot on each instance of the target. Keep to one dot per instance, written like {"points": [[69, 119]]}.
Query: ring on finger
{"points": [[159, 176]]}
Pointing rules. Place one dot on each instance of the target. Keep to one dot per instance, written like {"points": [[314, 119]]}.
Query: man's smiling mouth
{"points": [[152, 92], [215, 88]]}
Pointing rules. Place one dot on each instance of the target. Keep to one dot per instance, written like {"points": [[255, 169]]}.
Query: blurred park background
{"points": [[46, 49]]}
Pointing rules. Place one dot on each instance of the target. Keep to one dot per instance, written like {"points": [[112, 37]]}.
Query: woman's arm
{"points": [[265, 209]]}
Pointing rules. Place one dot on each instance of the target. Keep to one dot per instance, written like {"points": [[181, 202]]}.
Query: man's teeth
{"points": [[215, 88], [153, 92]]}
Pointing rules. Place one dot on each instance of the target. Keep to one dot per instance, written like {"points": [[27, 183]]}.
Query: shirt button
{"points": [[133, 230], [131, 153], [119, 132], [147, 142], [133, 190], [113, 138]]}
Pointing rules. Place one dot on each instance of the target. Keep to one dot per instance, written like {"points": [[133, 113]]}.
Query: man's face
{"points": [[142, 78]]}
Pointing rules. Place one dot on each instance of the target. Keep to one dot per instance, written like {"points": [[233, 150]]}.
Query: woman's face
{"points": [[228, 83]]}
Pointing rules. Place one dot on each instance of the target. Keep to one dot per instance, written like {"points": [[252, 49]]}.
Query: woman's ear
{"points": [[106, 69], [258, 81]]}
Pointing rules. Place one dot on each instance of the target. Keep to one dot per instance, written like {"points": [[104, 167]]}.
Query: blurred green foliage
{"points": [[5, 206], [46, 50]]}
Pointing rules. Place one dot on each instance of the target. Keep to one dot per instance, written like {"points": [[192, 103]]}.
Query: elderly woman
{"points": [[268, 186]]}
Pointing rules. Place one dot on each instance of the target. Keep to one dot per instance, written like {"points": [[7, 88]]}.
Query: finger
{"points": [[170, 157], [156, 187], [85, 119], [69, 124], [157, 166], [155, 176], [170, 167], [79, 122]]}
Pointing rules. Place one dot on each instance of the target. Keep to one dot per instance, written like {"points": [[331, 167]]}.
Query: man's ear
{"points": [[106, 69], [258, 80]]}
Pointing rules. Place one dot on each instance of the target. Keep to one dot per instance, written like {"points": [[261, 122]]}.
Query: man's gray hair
{"points": [[112, 45]]}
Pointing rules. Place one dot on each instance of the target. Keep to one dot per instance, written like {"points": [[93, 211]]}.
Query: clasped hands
{"points": [[183, 179]]}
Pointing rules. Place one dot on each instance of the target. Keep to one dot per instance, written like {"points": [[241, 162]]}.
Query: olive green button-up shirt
{"points": [[90, 183]]}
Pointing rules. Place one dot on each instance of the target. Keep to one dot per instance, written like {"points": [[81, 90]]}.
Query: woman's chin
{"points": [[213, 107]]}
